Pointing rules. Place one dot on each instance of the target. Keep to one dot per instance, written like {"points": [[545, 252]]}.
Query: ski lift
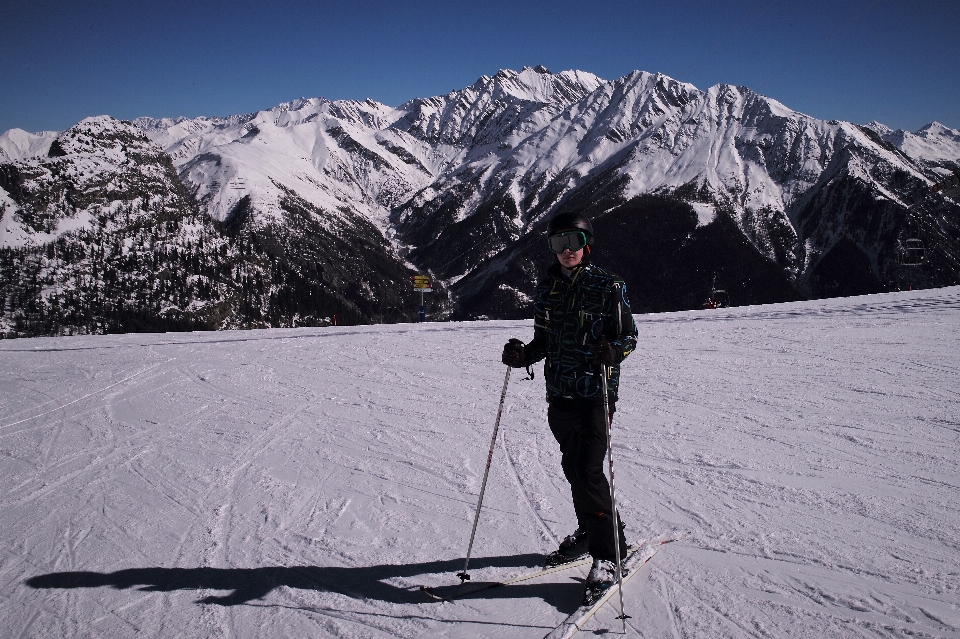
{"points": [[912, 252], [718, 298]]}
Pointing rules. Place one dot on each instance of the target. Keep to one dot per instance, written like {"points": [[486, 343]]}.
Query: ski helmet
{"points": [[570, 222]]}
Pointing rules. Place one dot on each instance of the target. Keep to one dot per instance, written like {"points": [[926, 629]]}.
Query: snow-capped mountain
{"points": [[687, 187], [331, 154], [513, 189], [934, 143], [100, 234], [496, 113], [724, 150], [17, 144], [94, 233], [96, 165], [458, 179], [365, 155]]}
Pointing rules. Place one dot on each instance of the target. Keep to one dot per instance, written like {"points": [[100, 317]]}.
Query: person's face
{"points": [[569, 259]]}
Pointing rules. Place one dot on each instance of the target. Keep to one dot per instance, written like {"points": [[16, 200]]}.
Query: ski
{"points": [[430, 592], [635, 560], [585, 560]]}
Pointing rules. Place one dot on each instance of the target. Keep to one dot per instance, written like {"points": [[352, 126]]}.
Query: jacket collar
{"points": [[556, 273]]}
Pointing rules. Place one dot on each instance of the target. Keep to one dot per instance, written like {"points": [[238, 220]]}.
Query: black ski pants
{"points": [[581, 431]]}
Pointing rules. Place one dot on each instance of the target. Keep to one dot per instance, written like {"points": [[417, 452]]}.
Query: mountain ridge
{"points": [[459, 186]]}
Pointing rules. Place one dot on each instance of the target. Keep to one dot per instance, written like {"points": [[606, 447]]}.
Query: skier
{"points": [[582, 322]]}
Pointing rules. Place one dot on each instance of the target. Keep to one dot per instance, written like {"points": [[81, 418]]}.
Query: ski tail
{"points": [[457, 592]]}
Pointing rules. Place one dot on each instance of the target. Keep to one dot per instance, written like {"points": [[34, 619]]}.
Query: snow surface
{"points": [[293, 147], [706, 213], [305, 482], [17, 144], [12, 232], [933, 142]]}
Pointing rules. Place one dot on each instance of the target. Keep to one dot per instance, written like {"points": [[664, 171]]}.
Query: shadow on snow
{"points": [[248, 584]]}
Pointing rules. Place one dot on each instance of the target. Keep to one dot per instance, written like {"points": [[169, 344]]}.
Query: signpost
{"points": [[422, 284]]}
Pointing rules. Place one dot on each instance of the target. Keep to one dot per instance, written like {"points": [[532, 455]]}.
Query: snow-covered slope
{"points": [[934, 143], [459, 186], [331, 154], [767, 168], [305, 482], [17, 144], [102, 235], [97, 165]]}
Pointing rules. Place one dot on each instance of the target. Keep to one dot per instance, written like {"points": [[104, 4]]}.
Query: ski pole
{"points": [[464, 576], [613, 493]]}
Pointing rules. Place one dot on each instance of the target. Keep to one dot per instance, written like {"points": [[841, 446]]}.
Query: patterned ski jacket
{"points": [[570, 316]]}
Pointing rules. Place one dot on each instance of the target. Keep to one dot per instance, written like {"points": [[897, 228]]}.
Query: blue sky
{"points": [[893, 61]]}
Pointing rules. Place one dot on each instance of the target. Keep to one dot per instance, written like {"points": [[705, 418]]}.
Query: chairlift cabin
{"points": [[718, 298], [912, 252]]}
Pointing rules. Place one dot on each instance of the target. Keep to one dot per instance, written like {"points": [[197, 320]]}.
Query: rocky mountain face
{"points": [[687, 184], [101, 235], [317, 208]]}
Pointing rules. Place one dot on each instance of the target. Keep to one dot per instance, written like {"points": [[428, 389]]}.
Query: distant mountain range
{"points": [[315, 209]]}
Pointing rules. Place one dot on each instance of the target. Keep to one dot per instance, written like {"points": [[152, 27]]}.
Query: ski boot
{"points": [[603, 575], [572, 548]]}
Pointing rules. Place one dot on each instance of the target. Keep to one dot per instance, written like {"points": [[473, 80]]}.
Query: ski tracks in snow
{"points": [[812, 448]]}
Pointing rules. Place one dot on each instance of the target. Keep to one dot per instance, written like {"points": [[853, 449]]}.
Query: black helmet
{"points": [[570, 222]]}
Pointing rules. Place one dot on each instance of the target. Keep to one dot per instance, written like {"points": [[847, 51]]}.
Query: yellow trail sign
{"points": [[421, 283]]}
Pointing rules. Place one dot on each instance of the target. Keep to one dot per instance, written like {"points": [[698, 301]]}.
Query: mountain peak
{"points": [[932, 142], [935, 128], [100, 132], [879, 128], [17, 144]]}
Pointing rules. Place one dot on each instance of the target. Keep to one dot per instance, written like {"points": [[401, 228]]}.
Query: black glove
{"points": [[514, 354], [605, 354]]}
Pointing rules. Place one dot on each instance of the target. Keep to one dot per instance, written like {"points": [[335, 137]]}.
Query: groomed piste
{"points": [[307, 482]]}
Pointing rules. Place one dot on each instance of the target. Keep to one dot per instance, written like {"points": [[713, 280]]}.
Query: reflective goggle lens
{"points": [[573, 240]]}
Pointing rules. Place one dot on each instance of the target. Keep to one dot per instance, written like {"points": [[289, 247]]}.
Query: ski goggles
{"points": [[573, 240]]}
